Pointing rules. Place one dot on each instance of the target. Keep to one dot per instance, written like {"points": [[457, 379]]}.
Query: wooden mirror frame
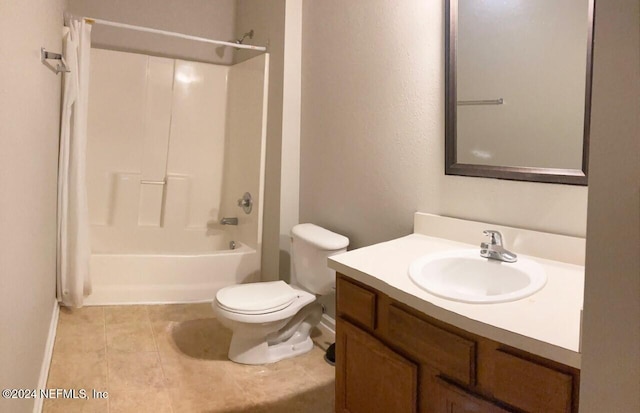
{"points": [[517, 173]]}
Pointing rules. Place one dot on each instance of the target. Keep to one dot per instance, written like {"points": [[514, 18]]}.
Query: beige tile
{"points": [[317, 400], [170, 312], [135, 371], [273, 382], [200, 375], [75, 406], [316, 367], [224, 399], [180, 312], [244, 371], [162, 333], [126, 314], [190, 373], [78, 371], [197, 385], [79, 338], [84, 315], [151, 401], [130, 337], [204, 339], [201, 310]]}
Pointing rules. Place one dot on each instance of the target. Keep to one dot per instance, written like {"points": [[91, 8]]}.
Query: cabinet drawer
{"points": [[451, 354], [356, 303], [530, 386], [451, 398]]}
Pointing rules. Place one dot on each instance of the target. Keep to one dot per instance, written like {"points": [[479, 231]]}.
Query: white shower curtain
{"points": [[73, 215]]}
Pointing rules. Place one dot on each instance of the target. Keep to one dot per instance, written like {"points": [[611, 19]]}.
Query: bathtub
{"points": [[169, 278]]}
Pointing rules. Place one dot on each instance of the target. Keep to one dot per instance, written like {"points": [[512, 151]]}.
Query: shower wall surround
{"points": [[155, 152], [172, 146]]}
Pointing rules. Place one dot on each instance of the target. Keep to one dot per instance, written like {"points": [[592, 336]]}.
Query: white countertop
{"points": [[546, 324]]}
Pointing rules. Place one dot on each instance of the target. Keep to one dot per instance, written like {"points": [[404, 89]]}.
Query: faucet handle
{"points": [[246, 203], [494, 236]]}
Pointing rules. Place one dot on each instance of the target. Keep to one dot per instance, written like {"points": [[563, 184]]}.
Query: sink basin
{"points": [[463, 275]]}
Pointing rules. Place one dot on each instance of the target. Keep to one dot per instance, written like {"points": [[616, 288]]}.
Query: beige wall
{"points": [[290, 154], [29, 131], [611, 340], [266, 18], [372, 134], [213, 19]]}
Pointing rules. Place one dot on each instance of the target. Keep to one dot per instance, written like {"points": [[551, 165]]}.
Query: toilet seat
{"points": [[256, 298], [302, 298]]}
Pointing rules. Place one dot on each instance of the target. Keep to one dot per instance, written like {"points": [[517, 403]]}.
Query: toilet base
{"points": [[291, 340], [262, 353]]}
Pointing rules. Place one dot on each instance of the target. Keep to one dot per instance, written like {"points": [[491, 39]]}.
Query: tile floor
{"points": [[172, 358]]}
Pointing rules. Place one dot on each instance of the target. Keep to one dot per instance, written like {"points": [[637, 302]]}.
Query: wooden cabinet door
{"points": [[452, 399], [370, 377], [530, 386]]}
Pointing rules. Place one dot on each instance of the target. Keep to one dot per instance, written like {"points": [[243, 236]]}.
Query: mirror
{"points": [[518, 92]]}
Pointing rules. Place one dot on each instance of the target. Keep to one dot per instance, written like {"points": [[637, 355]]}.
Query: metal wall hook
{"points": [[45, 55]]}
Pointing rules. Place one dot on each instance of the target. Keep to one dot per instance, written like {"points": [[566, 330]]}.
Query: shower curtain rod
{"points": [[91, 20]]}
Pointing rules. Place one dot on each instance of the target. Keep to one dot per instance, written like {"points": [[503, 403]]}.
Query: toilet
{"points": [[272, 321]]}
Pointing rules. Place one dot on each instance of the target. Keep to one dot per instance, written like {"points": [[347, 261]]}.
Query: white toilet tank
{"points": [[311, 246]]}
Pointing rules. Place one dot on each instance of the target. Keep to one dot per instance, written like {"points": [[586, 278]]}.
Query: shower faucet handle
{"points": [[246, 203]]}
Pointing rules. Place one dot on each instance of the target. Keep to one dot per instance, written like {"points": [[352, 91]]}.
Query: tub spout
{"points": [[229, 221]]}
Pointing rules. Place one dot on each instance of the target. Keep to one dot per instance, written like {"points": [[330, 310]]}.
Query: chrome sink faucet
{"points": [[494, 249]]}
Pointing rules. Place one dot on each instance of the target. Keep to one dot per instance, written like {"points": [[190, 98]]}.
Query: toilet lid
{"points": [[256, 298]]}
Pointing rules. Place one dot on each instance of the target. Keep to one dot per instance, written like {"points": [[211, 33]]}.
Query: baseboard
{"points": [[327, 329], [48, 353], [329, 324]]}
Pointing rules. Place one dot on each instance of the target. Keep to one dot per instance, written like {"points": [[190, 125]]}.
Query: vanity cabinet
{"points": [[375, 378], [392, 358]]}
